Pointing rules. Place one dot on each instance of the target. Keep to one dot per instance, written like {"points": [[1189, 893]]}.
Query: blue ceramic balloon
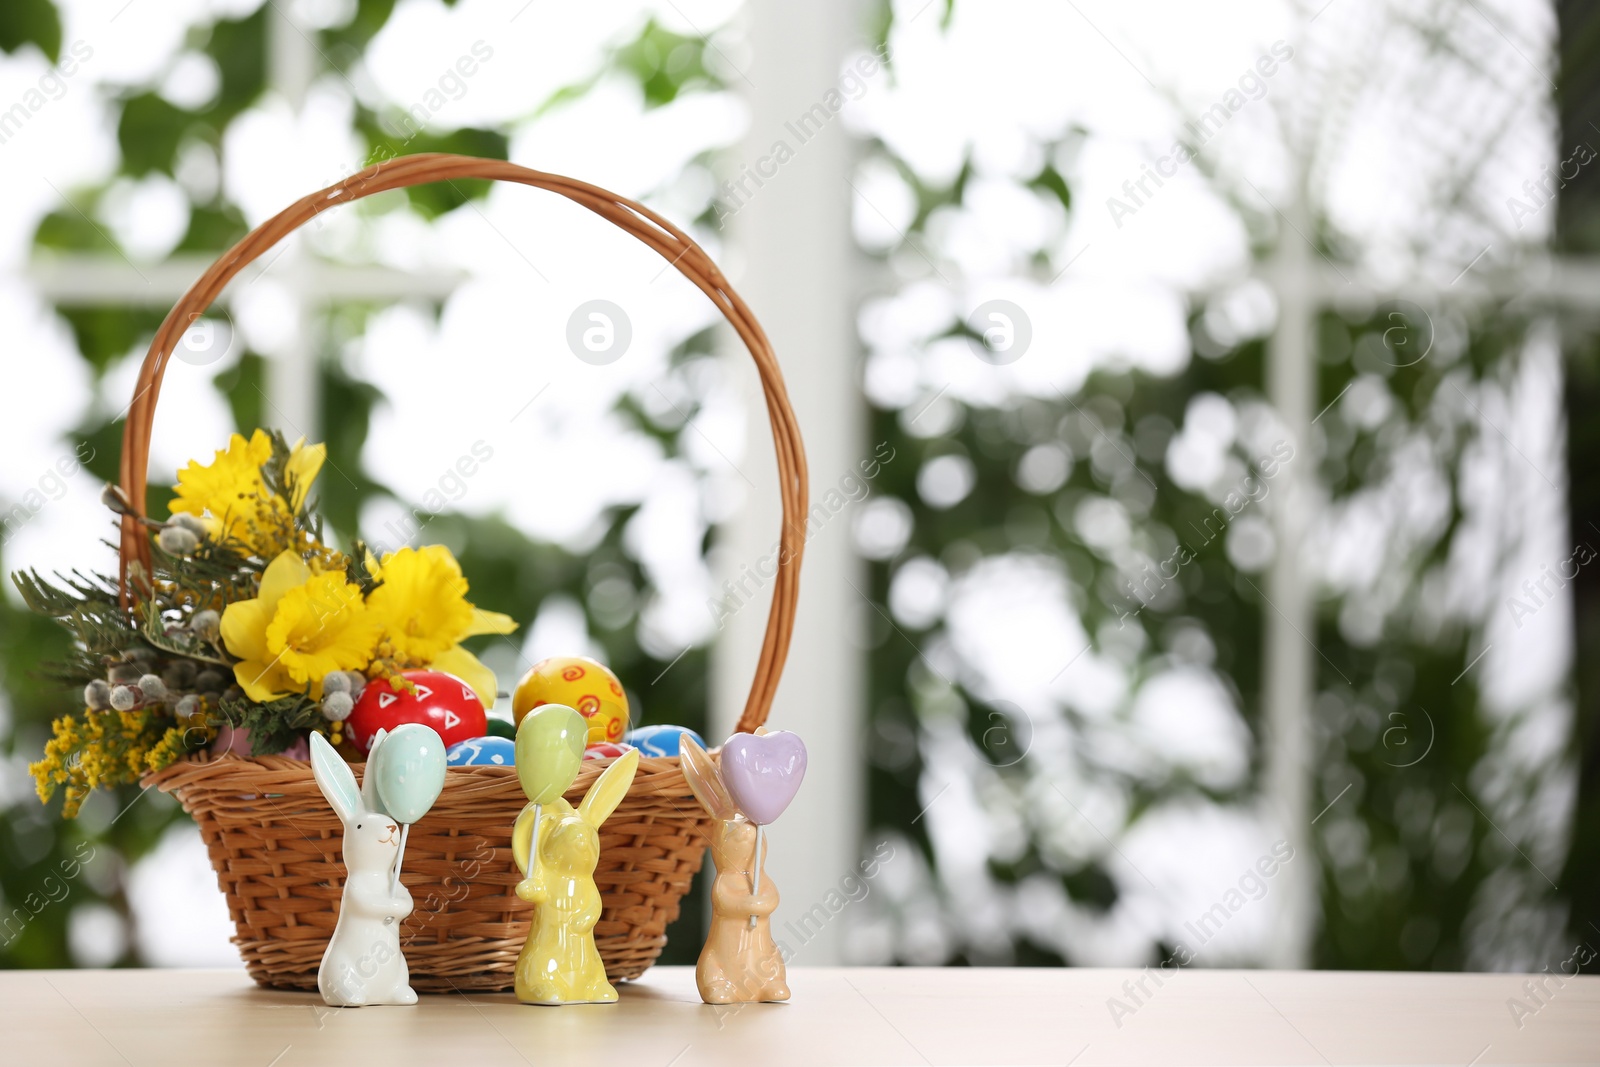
{"points": [[483, 752], [409, 769], [662, 740]]}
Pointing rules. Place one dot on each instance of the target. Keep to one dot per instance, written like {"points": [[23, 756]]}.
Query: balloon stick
{"points": [[755, 872], [394, 882]]}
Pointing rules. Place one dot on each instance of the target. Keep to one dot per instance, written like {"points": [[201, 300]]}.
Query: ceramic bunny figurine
{"points": [[559, 963], [740, 962], [363, 963]]}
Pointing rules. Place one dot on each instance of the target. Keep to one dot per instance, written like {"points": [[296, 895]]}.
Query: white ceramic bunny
{"points": [[363, 963]]}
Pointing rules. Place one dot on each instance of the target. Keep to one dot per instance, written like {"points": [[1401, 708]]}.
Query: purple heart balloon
{"points": [[763, 772]]}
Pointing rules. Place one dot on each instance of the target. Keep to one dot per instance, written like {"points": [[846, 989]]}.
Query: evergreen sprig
{"points": [[88, 607], [356, 571], [274, 725], [275, 475]]}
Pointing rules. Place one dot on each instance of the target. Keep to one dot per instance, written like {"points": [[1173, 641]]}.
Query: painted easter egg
{"points": [[432, 698], [489, 751], [502, 728], [606, 750], [660, 740], [578, 682]]}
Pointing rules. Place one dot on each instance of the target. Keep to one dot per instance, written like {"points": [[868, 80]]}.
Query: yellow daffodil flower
{"points": [[228, 490], [305, 463], [300, 627], [232, 494], [423, 608]]}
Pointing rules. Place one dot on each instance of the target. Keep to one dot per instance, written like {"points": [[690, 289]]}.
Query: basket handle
{"points": [[672, 243]]}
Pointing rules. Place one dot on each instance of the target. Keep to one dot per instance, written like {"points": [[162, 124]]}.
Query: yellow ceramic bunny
{"points": [[557, 849]]}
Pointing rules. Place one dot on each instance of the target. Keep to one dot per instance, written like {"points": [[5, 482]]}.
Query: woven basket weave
{"points": [[273, 840]]}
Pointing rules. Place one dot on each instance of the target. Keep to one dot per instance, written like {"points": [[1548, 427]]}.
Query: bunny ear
{"points": [[334, 778], [609, 789], [369, 781], [706, 780]]}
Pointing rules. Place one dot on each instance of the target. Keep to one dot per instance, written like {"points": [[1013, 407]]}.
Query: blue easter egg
{"points": [[482, 752], [659, 740]]}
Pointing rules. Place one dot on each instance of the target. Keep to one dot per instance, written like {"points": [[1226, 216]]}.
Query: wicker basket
{"points": [[273, 840]]}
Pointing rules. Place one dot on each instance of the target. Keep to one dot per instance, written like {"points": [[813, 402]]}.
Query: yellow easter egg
{"points": [[578, 682]]}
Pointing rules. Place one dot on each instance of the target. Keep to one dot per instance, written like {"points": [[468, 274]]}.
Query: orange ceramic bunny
{"points": [[740, 962]]}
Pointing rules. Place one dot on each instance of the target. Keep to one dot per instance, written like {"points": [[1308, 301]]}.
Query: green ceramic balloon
{"points": [[550, 744], [409, 771]]}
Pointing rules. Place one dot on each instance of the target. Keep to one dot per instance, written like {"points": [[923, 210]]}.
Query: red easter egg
{"points": [[606, 750], [432, 698]]}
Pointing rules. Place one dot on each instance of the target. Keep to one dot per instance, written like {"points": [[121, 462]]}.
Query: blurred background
{"points": [[1195, 399]]}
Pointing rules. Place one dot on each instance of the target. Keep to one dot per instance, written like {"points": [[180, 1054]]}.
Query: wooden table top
{"points": [[838, 1016]]}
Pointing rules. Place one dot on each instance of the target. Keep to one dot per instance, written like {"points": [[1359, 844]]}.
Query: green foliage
{"points": [[106, 333], [244, 387], [1050, 180], [400, 136], [665, 63], [149, 132], [370, 17], [346, 415], [239, 47], [212, 228], [69, 229], [30, 22], [98, 449], [1403, 738]]}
